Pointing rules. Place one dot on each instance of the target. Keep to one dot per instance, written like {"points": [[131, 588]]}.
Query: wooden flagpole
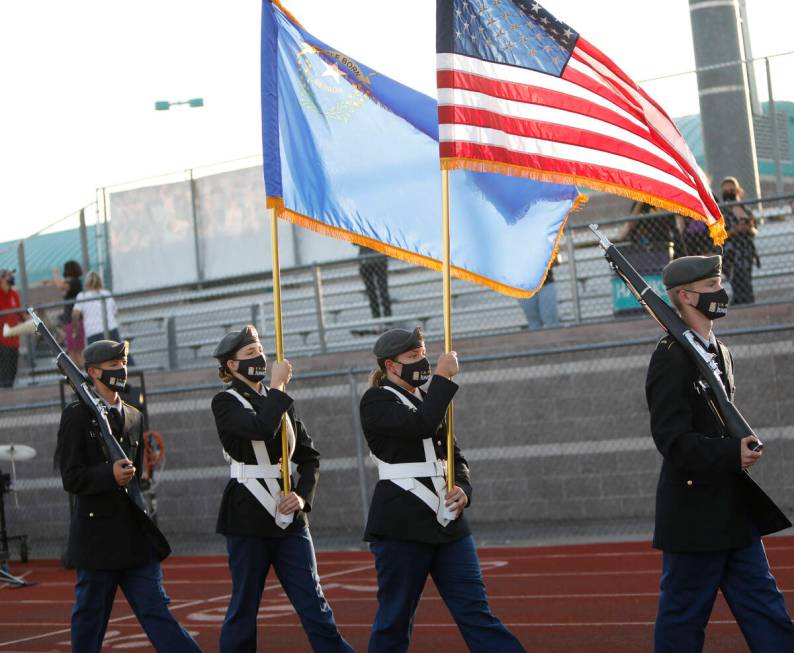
{"points": [[447, 287], [277, 328]]}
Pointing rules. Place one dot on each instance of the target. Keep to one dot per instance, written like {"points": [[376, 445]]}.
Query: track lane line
{"points": [[188, 604]]}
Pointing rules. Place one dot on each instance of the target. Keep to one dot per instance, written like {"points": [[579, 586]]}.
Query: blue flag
{"points": [[353, 154]]}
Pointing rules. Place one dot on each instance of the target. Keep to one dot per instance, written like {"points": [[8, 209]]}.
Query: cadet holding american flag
{"points": [[416, 527]]}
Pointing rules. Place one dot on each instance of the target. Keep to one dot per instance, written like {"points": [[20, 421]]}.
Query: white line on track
{"points": [[225, 565], [368, 599], [176, 607]]}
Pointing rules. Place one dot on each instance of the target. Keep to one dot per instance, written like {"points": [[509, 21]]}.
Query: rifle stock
{"points": [[733, 421]]}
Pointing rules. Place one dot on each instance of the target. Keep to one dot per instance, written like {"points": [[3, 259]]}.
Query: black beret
{"points": [[691, 268], [234, 340], [396, 341], [105, 350]]}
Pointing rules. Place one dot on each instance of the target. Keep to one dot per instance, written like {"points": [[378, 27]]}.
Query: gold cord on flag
{"points": [[285, 477], [447, 281]]}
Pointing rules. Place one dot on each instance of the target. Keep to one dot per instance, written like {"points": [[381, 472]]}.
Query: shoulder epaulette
{"points": [[128, 405], [666, 342]]}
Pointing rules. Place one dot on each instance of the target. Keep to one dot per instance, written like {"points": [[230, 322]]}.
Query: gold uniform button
{"points": [[90, 514], [689, 482]]}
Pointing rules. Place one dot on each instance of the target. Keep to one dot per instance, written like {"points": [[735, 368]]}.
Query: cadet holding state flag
{"points": [[265, 527]]}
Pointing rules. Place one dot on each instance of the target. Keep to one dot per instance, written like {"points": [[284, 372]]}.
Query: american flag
{"points": [[522, 93]]}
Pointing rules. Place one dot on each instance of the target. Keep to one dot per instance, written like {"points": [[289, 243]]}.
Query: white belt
{"points": [[241, 471], [405, 475], [247, 475], [393, 471]]}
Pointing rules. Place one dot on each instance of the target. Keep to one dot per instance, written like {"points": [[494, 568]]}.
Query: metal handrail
{"points": [[482, 358]]}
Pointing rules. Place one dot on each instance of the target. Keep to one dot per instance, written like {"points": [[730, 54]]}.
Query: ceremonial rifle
{"points": [[99, 409], [710, 384]]}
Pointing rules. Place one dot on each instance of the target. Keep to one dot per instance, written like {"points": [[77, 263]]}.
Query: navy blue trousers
{"points": [[403, 568], [143, 587], [689, 586], [293, 560]]}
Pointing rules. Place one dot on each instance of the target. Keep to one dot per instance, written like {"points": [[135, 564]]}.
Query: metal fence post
{"points": [[773, 118], [100, 257], [105, 329], [84, 243], [263, 313], [170, 337], [577, 309], [318, 306], [196, 236], [24, 291], [359, 437]]}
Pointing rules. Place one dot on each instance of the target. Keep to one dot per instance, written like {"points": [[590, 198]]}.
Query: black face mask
{"points": [[253, 369], [10, 280], [729, 196], [417, 373], [713, 305], [114, 379]]}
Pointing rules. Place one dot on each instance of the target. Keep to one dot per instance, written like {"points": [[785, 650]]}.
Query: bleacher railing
{"points": [[336, 306]]}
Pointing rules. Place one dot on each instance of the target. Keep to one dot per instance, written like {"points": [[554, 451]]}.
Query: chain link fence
{"points": [[557, 439], [339, 306]]}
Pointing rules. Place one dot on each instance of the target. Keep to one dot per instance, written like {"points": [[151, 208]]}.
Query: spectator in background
{"points": [[740, 251], [696, 239], [89, 306], [652, 234], [9, 346], [70, 284], [541, 308], [373, 268]]}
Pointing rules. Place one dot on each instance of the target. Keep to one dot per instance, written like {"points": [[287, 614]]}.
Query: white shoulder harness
{"points": [[251, 475], [405, 474]]}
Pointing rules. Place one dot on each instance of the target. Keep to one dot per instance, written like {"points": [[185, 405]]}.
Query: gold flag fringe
{"points": [[716, 229], [306, 222], [286, 12]]}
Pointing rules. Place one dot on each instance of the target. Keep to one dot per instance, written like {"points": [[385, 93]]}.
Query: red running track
{"points": [[588, 598]]}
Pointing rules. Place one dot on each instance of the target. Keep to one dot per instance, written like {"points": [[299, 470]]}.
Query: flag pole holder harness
{"points": [[406, 475], [250, 475]]}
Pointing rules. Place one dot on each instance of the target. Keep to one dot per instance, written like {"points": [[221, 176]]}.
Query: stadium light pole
{"points": [[165, 105]]}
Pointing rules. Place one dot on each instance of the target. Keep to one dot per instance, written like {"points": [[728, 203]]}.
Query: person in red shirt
{"points": [[9, 346]]}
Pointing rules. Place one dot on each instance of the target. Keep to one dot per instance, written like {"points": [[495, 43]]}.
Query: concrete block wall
{"points": [[555, 439]]}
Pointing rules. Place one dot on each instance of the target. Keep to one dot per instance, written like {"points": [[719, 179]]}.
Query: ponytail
{"points": [[378, 375], [223, 372]]}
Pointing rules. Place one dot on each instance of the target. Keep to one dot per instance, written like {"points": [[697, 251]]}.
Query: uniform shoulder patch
{"points": [[665, 342]]}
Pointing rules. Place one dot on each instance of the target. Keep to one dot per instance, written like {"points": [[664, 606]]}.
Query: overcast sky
{"points": [[80, 78]]}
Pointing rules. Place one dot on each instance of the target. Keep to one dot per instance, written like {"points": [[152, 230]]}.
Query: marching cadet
{"points": [[415, 527], [710, 515], [262, 527], [112, 543]]}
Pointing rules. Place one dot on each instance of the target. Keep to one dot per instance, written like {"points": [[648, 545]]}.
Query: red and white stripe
{"points": [[593, 123]]}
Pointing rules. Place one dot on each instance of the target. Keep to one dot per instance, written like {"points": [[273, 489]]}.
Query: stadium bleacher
{"points": [[178, 327]]}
